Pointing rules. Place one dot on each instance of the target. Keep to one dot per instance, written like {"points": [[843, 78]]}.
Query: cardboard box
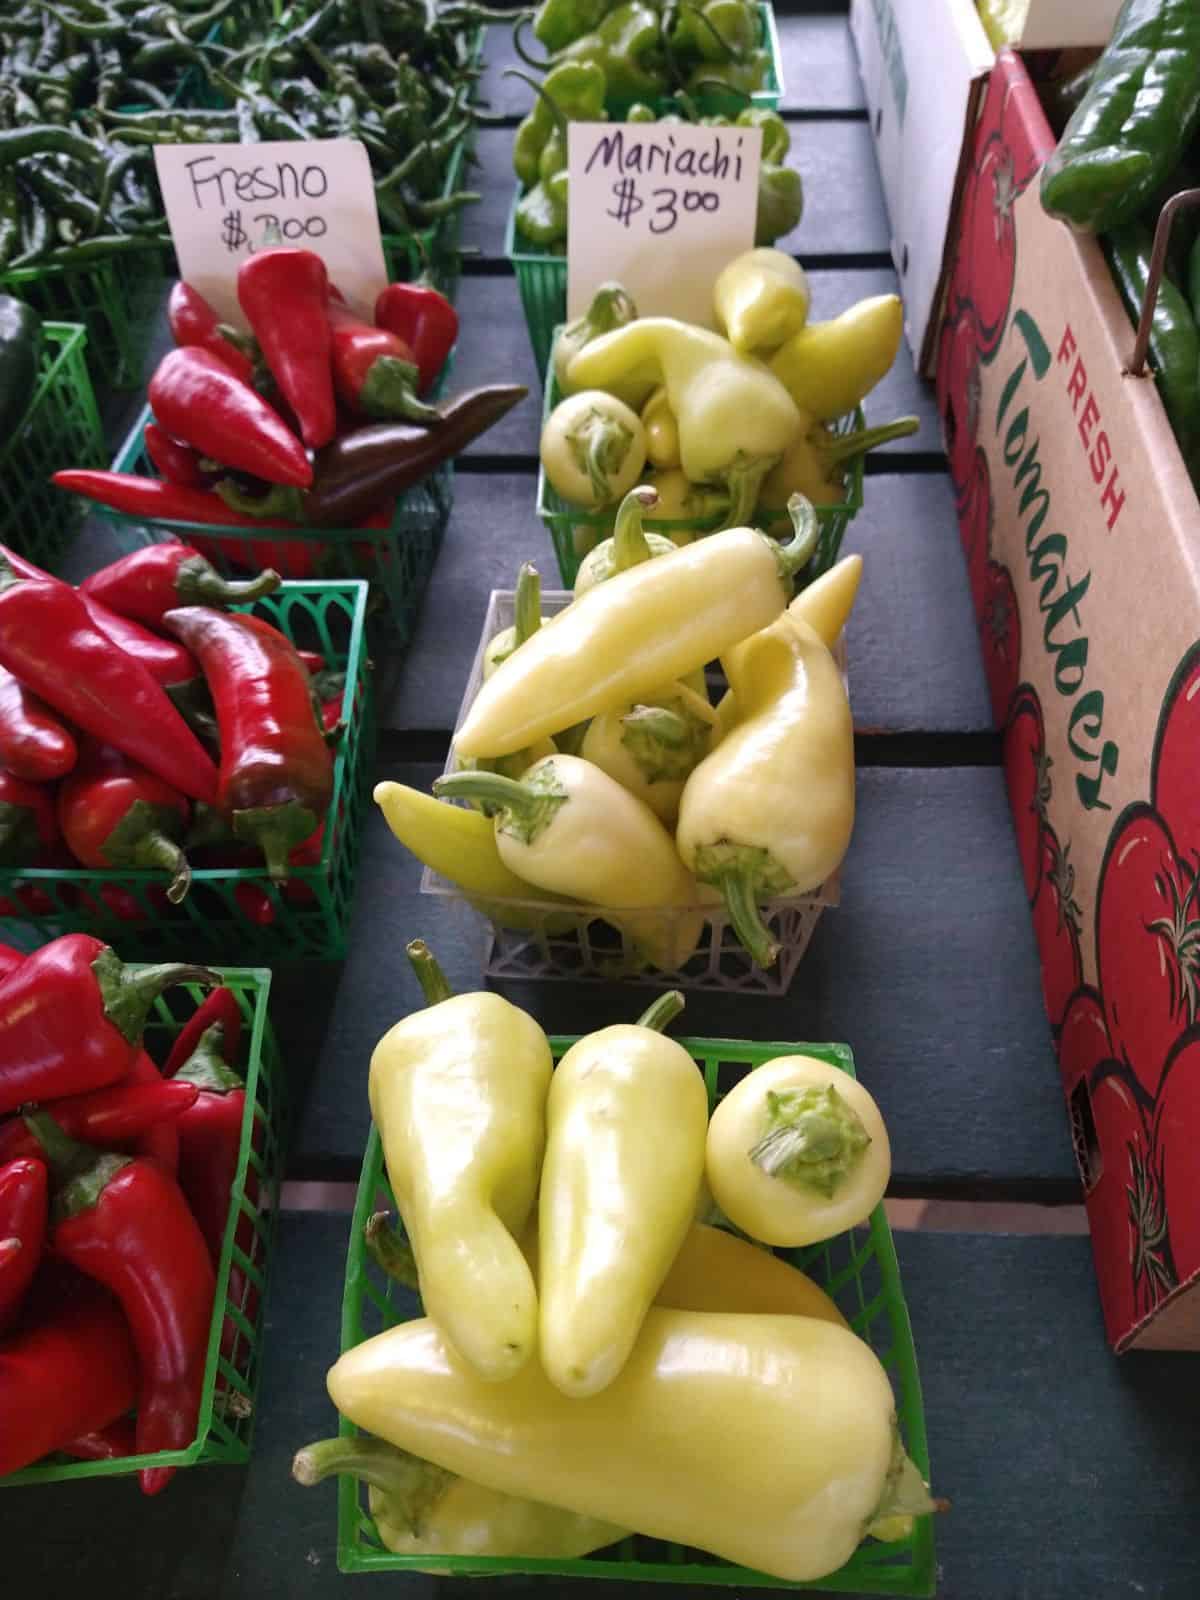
{"points": [[1081, 531], [924, 67]]}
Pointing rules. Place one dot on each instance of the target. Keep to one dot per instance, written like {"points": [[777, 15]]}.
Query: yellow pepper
{"points": [[644, 628], [593, 448], [761, 299], [611, 308], [458, 1093], [771, 810], [527, 619], [423, 1510], [651, 748], [814, 464], [830, 367], [629, 544], [735, 418], [680, 500], [662, 431], [570, 828], [769, 1440], [797, 1152], [625, 1131]]}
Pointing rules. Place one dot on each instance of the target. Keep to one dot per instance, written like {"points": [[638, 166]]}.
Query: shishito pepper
{"points": [[761, 299], [458, 1092], [829, 367], [797, 1152], [625, 1128], [771, 810], [801, 1408]]}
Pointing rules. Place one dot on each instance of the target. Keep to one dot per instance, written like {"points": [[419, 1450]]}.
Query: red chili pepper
{"points": [[33, 742], [276, 777], [425, 320], [219, 1005], [255, 904], [194, 322], [294, 558], [114, 813], [313, 660], [284, 294], [71, 1018], [173, 460], [149, 582], [104, 1444], [10, 959], [23, 1188], [196, 398], [28, 823], [160, 1141], [125, 1222], [109, 1118], [49, 642], [373, 370], [155, 501], [69, 1369]]}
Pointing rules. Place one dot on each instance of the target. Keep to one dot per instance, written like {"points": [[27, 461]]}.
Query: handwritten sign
{"points": [[224, 200], [660, 208]]}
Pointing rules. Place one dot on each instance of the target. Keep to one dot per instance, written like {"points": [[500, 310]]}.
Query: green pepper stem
{"points": [[156, 850], [206, 586], [737, 886], [744, 479], [207, 1067], [128, 993], [391, 1251], [845, 446], [547, 99], [596, 442], [434, 984], [527, 609], [412, 1486], [630, 546], [905, 1495], [797, 552], [506, 794], [66, 1157], [814, 1140], [612, 307], [663, 1012], [665, 727]]}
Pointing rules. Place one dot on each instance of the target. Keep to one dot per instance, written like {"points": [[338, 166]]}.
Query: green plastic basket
{"points": [[226, 1428], [396, 559], [858, 1269], [233, 913], [60, 429], [574, 531], [115, 298]]}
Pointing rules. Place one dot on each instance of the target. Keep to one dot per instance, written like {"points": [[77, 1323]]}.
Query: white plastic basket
{"points": [[584, 943]]}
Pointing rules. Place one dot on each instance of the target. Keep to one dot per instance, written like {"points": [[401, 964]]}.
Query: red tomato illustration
{"points": [[1000, 633], [1175, 766], [1147, 942], [1027, 774], [1177, 1153], [975, 516], [1125, 1208], [990, 241], [958, 395], [1056, 922], [1024, 129]]}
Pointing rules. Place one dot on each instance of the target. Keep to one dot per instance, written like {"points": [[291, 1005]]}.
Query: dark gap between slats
{"points": [[881, 463]]}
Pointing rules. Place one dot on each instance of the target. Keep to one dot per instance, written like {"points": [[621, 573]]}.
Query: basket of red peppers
{"points": [[318, 444], [141, 1141], [176, 776]]}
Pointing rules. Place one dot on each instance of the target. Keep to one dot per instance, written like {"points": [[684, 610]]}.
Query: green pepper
{"points": [[542, 211], [558, 23], [739, 77], [641, 112], [780, 202], [716, 31], [20, 352], [776, 140], [1135, 120], [571, 92], [627, 47]]}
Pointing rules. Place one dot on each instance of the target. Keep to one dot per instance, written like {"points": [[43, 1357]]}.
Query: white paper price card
{"points": [[225, 201], [659, 208]]}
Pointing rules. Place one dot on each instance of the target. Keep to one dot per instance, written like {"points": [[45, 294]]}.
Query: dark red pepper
{"points": [[114, 813], [71, 1018], [174, 461], [276, 777], [149, 582], [124, 1222], [156, 501], [425, 320], [109, 1118], [255, 904], [194, 322], [198, 400], [69, 1369], [284, 294], [104, 1444], [313, 660], [374, 371], [23, 1203], [160, 1141], [28, 823], [49, 642], [219, 1005], [34, 744]]}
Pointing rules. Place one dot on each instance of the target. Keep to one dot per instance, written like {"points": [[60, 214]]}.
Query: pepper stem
{"points": [[390, 1250], [276, 830], [542, 66], [839, 447], [663, 1012], [797, 552], [156, 850], [905, 1496], [198, 582], [506, 794], [390, 390], [737, 885], [66, 1157], [596, 445], [434, 984], [814, 1140], [630, 547], [527, 607], [744, 480], [411, 1486], [656, 723], [129, 992], [547, 99], [207, 1067]]}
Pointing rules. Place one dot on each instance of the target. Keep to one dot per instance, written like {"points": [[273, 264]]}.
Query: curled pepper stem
{"points": [[547, 99], [798, 551], [845, 446], [518, 45], [434, 984], [206, 586], [127, 994], [504, 793], [744, 480], [663, 1012], [737, 885], [412, 1486], [157, 850], [630, 546], [527, 607], [390, 1250]]}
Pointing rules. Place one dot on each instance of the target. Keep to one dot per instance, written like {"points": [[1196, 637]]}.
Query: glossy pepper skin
{"points": [[196, 398], [219, 1005], [761, 299], [104, 1444], [49, 641], [1136, 118], [210, 1137], [161, 501], [611, 308], [159, 1142], [28, 822], [458, 1093], [829, 367], [70, 1368], [276, 775], [71, 1016], [424, 320], [814, 465], [625, 1124], [194, 322], [106, 1117], [148, 583], [113, 813], [626, 46], [34, 743], [374, 371], [176, 463], [556, 23], [803, 1407], [572, 91], [10, 959], [125, 1223], [284, 294], [23, 1209]]}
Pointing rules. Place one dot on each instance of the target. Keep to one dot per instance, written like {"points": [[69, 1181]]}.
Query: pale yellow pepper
{"points": [[629, 545], [652, 748], [527, 619], [830, 367], [662, 431], [761, 299]]}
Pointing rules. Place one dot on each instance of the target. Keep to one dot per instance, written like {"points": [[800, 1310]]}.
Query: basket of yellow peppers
{"points": [[556, 1364]]}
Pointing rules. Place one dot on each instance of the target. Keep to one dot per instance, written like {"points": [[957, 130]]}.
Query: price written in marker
{"points": [[225, 202], [633, 186]]}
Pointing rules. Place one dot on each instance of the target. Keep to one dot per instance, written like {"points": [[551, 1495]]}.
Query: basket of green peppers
{"points": [[724, 427]]}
